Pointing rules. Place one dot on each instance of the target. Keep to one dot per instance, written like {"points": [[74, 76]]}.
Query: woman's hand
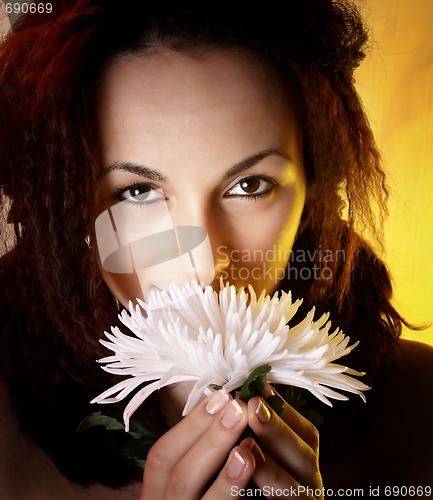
{"points": [[183, 462], [286, 450]]}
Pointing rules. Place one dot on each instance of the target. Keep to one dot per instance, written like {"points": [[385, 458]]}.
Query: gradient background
{"points": [[396, 85]]}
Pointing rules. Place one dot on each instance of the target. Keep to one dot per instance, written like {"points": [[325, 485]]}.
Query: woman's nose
{"points": [[168, 247], [201, 233], [183, 253]]}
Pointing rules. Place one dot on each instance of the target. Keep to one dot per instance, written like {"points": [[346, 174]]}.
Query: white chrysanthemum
{"points": [[195, 334]]}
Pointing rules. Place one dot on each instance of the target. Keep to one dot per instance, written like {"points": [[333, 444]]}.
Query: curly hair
{"points": [[55, 304]]}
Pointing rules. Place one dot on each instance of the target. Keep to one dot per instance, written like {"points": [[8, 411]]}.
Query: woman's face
{"points": [[201, 173]]}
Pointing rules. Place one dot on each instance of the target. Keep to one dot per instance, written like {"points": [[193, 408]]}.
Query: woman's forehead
{"points": [[172, 98]]}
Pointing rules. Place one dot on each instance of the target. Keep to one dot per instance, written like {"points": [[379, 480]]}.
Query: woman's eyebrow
{"points": [[134, 168], [154, 175], [253, 160]]}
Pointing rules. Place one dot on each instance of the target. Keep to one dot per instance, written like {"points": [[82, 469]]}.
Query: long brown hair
{"points": [[55, 305]]}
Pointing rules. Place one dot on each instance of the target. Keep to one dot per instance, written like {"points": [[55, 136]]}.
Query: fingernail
{"points": [[268, 391], [232, 416], [262, 412], [236, 465], [216, 402], [257, 452]]}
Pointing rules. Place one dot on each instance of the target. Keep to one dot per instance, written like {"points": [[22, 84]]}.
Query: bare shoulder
{"points": [[409, 385], [26, 472], [401, 416], [410, 350], [414, 367], [390, 438]]}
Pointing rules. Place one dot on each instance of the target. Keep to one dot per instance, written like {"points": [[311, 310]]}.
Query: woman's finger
{"points": [[298, 423], [274, 481], [283, 444], [234, 476], [199, 465], [173, 445], [185, 459]]}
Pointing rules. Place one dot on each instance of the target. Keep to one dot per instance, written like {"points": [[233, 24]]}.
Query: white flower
{"points": [[195, 334]]}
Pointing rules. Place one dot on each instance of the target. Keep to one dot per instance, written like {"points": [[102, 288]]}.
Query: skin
{"points": [[192, 122]]}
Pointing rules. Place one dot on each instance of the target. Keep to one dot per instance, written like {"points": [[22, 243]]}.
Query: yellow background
{"points": [[396, 84]]}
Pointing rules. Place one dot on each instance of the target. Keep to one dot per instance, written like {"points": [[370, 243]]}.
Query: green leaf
{"points": [[112, 420], [137, 428], [276, 403], [137, 448], [293, 396], [254, 384], [314, 416], [94, 419], [138, 465]]}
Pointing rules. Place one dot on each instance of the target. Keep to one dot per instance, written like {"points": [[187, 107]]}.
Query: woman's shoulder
{"points": [[414, 367], [413, 349], [401, 413], [407, 391], [408, 386], [27, 473], [388, 440]]}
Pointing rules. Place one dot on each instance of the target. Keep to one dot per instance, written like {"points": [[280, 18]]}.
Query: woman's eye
{"points": [[140, 194], [252, 187]]}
